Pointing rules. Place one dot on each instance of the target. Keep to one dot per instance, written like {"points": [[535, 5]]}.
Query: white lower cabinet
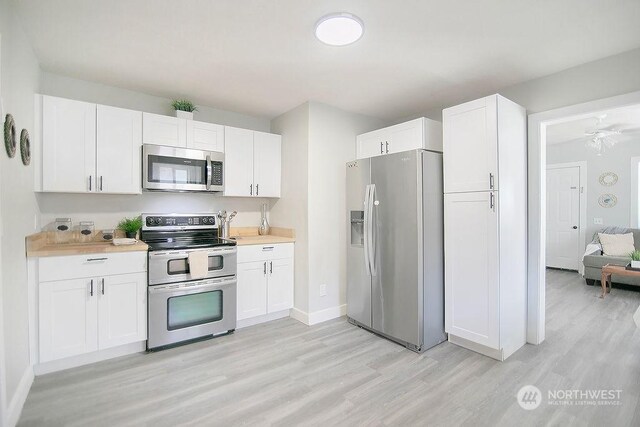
{"points": [[265, 280], [83, 315]]}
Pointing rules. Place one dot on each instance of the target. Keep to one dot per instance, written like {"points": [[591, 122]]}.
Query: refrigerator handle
{"points": [[365, 226], [371, 231]]}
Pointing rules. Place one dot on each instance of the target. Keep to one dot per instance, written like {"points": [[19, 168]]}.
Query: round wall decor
{"points": [[607, 200], [10, 135], [25, 147], [608, 179]]}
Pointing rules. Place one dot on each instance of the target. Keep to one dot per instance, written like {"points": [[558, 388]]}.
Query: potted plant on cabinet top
{"points": [[130, 226], [184, 108], [635, 259]]}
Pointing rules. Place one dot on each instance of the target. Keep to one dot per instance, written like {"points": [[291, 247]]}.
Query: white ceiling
{"points": [[260, 57], [625, 119]]}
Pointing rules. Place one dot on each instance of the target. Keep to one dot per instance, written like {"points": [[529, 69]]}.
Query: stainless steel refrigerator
{"points": [[395, 254]]}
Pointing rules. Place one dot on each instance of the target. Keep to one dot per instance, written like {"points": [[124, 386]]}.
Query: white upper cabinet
{"points": [[119, 145], [252, 163], [205, 136], [68, 145], [471, 146], [267, 164], [420, 133], [175, 132], [89, 148], [164, 130], [238, 162]]}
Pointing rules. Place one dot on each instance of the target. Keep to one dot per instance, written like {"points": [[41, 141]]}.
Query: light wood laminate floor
{"points": [[285, 373]]}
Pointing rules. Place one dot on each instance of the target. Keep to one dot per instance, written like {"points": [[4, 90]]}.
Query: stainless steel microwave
{"points": [[167, 168]]}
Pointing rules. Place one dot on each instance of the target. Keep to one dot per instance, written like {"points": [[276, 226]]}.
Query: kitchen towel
{"points": [[198, 264]]}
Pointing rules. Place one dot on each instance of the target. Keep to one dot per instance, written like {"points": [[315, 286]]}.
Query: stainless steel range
{"points": [[185, 301]]}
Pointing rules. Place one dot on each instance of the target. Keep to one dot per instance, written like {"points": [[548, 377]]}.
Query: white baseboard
{"points": [[261, 319], [319, 316], [19, 397], [85, 359]]}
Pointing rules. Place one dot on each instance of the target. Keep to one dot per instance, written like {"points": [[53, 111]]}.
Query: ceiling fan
{"points": [[602, 137]]}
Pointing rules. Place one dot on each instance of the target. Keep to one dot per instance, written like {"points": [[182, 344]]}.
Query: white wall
{"points": [[617, 160], [66, 87], [317, 141], [332, 136], [615, 75], [19, 214], [291, 210]]}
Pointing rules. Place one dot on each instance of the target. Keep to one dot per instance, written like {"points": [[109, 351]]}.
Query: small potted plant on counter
{"points": [[184, 108], [635, 259], [130, 226]]}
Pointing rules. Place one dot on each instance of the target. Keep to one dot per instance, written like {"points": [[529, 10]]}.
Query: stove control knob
{"points": [[212, 220], [158, 221], [149, 221], [205, 220]]}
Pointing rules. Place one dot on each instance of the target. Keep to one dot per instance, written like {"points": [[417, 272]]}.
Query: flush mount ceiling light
{"points": [[339, 29]]}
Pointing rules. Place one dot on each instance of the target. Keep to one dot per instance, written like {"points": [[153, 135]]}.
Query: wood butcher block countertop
{"points": [[249, 236], [38, 246]]}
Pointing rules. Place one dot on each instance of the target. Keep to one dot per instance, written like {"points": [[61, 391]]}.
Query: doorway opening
{"points": [[596, 138]]}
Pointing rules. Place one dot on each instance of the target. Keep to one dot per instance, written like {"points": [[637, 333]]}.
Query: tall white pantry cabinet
{"points": [[485, 143]]}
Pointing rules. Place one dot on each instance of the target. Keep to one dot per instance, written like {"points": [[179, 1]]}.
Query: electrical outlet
{"points": [[323, 290], [598, 221]]}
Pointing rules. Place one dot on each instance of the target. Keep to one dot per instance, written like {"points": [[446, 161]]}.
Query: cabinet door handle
{"points": [[381, 148], [91, 289], [387, 143], [257, 189], [492, 203], [251, 189], [100, 182], [490, 181], [89, 182], [103, 286], [270, 267], [264, 271]]}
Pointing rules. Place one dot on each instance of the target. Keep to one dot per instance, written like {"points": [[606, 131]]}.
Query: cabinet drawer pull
{"points": [[96, 259], [267, 248]]}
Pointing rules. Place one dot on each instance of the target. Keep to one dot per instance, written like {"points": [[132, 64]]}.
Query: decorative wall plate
{"points": [[10, 135], [607, 200], [25, 147], [608, 179]]}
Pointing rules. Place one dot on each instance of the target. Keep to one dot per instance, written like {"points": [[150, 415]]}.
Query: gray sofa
{"points": [[594, 262]]}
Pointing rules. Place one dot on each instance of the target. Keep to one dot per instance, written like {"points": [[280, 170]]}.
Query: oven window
{"points": [[195, 309], [174, 170], [181, 265]]}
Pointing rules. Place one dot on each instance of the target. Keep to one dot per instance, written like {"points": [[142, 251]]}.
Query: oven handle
{"points": [[224, 251], [209, 172], [185, 289]]}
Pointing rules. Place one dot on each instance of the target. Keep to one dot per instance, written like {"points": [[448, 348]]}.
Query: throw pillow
{"points": [[617, 244]]}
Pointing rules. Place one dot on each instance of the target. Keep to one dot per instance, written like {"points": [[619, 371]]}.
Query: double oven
{"points": [[181, 306]]}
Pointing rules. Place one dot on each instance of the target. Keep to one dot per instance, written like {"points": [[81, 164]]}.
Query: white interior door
{"points": [[563, 218]]}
